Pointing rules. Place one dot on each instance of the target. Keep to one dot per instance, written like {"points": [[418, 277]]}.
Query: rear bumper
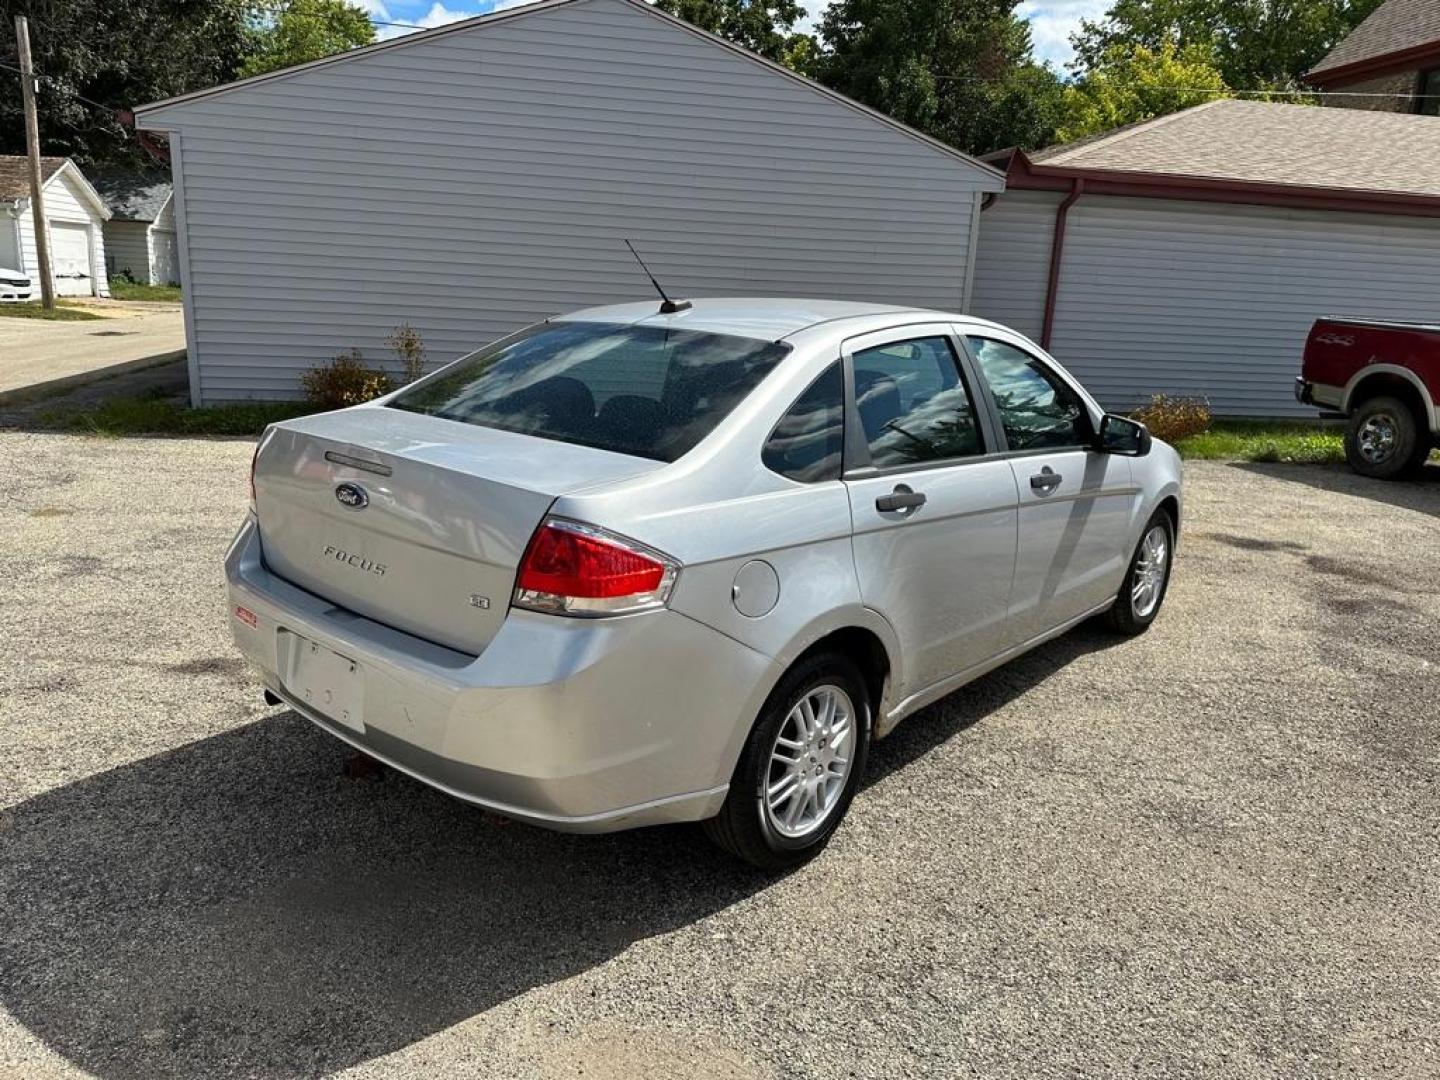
{"points": [[572, 724], [1321, 395]]}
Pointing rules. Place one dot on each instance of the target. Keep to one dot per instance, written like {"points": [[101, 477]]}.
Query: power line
{"points": [[51, 79], [1227, 92]]}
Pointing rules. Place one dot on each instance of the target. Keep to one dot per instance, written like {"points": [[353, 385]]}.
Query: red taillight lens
{"points": [[579, 569]]}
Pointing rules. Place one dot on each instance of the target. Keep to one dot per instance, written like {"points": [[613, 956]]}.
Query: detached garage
{"points": [[140, 235], [475, 178], [1190, 254], [75, 214]]}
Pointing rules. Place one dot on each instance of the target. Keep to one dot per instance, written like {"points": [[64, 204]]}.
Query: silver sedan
{"points": [[629, 567]]}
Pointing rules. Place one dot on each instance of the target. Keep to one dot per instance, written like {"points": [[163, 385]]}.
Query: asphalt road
{"points": [[1208, 851], [35, 352]]}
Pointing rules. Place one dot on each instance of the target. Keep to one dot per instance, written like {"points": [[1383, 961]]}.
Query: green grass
{"points": [[1240, 440], [61, 312], [148, 416], [129, 290]]}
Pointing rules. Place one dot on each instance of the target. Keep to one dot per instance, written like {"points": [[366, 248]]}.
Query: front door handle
{"points": [[1046, 480], [902, 498]]}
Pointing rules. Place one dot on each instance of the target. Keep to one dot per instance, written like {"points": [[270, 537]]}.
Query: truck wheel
{"points": [[1383, 439]]}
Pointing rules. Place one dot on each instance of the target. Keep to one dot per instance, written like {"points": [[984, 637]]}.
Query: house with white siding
{"points": [[140, 235], [75, 215], [475, 178], [1191, 253]]}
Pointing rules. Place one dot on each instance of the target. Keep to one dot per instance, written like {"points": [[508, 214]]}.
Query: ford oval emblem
{"points": [[352, 495]]}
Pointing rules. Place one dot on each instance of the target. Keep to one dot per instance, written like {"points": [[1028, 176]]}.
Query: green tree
{"points": [[118, 54], [1133, 82], [762, 26], [961, 71], [293, 32], [1256, 44]]}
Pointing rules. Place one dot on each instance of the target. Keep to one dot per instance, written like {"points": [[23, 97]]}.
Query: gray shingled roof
{"points": [[15, 176], [1394, 26], [1265, 142], [133, 196]]}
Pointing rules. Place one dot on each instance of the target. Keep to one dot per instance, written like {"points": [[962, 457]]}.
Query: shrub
{"points": [[410, 348], [344, 381], [1174, 418]]}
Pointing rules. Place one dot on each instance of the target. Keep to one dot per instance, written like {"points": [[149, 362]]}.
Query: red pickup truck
{"points": [[1383, 376]]}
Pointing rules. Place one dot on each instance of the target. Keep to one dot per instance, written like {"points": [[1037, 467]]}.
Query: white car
{"points": [[14, 287]]}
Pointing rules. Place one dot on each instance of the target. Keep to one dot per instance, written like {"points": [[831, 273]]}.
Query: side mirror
{"points": [[1121, 435]]}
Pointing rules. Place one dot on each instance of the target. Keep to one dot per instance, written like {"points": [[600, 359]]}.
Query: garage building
{"points": [[472, 179], [76, 215], [140, 235], [1190, 254]]}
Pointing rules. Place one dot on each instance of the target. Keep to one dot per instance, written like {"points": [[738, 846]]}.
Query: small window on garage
{"points": [[807, 443], [1427, 97]]}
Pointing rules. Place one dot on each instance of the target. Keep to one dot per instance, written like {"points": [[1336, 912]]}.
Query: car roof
{"points": [[760, 317]]}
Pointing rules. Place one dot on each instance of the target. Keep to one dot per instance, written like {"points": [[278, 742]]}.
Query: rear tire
{"points": [[1142, 592], [1384, 439], [795, 747]]}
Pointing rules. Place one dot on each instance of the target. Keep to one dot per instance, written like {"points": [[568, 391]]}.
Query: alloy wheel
{"points": [[1150, 566], [810, 762]]}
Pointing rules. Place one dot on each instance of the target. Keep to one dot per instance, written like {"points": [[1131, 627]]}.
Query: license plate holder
{"points": [[331, 684]]}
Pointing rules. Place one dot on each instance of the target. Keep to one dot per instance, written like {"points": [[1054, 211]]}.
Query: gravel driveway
{"points": [[1208, 851]]}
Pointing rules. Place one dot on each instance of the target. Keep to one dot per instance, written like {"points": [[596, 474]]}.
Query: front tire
{"points": [[1147, 579], [800, 766], [1383, 439]]}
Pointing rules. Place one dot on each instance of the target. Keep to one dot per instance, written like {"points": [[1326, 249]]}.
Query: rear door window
{"points": [[912, 403], [644, 390]]}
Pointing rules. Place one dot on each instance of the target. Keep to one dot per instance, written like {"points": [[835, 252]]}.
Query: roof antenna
{"points": [[667, 306]]}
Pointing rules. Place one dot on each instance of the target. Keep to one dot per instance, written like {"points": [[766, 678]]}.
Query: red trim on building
{"points": [[1057, 251], [1021, 174], [1411, 59]]}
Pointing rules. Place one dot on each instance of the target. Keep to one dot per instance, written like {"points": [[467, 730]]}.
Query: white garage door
{"points": [[70, 254], [165, 264]]}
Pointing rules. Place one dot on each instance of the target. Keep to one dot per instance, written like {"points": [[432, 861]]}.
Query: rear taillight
{"points": [[575, 569]]}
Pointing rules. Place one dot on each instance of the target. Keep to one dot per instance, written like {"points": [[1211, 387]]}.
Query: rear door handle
{"points": [[1046, 480], [902, 498]]}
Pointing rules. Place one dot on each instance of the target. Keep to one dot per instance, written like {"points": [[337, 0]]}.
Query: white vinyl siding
{"points": [[1012, 263], [1209, 300], [484, 179], [127, 248], [65, 205]]}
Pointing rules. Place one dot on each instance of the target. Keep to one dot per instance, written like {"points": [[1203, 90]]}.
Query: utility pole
{"points": [[32, 144]]}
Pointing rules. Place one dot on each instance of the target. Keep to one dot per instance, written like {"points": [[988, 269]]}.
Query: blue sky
{"points": [[1052, 21]]}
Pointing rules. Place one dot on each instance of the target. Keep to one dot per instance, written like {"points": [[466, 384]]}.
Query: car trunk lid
{"points": [[417, 522]]}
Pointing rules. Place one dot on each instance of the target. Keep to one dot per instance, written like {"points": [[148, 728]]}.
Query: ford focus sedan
{"points": [[632, 566]]}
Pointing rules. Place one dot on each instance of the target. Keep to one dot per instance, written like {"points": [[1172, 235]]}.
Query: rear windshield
{"points": [[643, 390]]}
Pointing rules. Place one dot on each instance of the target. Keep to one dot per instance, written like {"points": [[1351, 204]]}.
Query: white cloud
{"points": [[438, 15], [1053, 21], [374, 8]]}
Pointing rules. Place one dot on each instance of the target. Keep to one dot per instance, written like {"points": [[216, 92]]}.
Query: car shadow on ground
{"points": [[236, 906], [1421, 493]]}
